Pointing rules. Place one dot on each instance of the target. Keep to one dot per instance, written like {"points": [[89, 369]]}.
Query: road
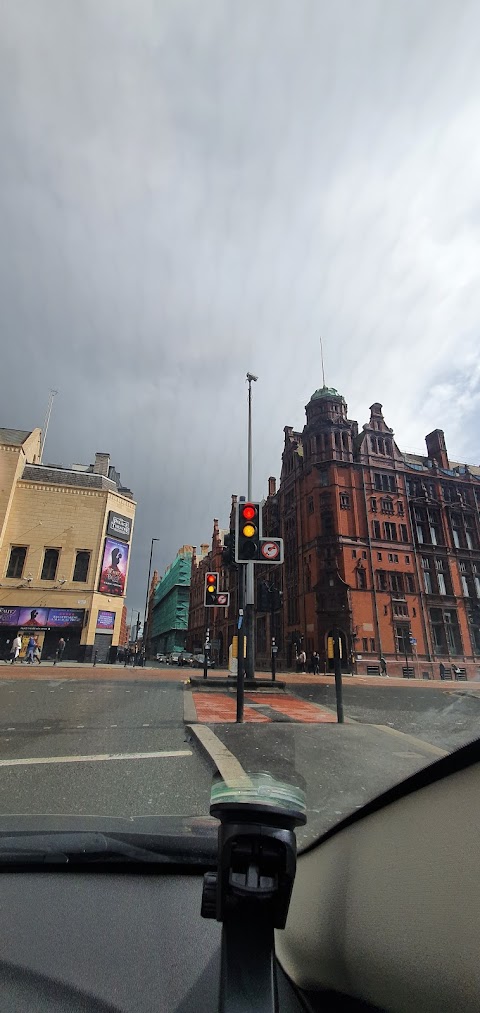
{"points": [[64, 718], [447, 718]]}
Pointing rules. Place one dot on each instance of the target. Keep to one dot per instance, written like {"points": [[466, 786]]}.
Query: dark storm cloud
{"points": [[190, 191]]}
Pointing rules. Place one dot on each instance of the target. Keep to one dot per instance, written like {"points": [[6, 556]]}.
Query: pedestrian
{"points": [[16, 648], [37, 654], [60, 650], [383, 666], [302, 657], [30, 650], [311, 664], [316, 659]]}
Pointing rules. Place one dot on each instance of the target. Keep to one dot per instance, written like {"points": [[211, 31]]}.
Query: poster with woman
{"points": [[114, 567]]}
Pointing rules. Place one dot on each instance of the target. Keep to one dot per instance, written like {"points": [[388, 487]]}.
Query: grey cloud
{"points": [[190, 191]]}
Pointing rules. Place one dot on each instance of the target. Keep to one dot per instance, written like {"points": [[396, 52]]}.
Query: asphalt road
{"points": [[57, 718], [448, 718]]}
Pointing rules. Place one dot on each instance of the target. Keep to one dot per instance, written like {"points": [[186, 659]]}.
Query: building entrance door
{"points": [[102, 644]]}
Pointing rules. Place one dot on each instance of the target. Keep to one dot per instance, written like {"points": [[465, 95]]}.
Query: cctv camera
{"points": [[250, 376]]}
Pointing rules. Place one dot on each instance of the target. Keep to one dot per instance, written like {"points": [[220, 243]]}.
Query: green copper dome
{"points": [[326, 392]]}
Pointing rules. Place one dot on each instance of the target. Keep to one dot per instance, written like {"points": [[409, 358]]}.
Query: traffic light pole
{"points": [[240, 642], [337, 667], [250, 568]]}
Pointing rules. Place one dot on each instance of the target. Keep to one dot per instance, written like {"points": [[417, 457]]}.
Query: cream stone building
{"points": [[65, 536]]}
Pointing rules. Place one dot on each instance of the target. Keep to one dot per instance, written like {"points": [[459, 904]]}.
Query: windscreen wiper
{"points": [[79, 848]]}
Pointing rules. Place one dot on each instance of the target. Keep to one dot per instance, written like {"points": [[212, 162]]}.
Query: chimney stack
{"points": [[102, 464], [436, 448], [272, 486]]}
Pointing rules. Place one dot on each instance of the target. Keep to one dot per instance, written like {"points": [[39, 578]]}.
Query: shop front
{"points": [[46, 625]]}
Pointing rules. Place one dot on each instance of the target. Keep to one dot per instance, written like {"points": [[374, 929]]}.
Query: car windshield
{"points": [[228, 546]]}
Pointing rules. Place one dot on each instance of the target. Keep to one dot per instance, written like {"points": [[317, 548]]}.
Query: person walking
{"points": [[30, 650], [60, 650], [316, 663], [302, 657], [16, 648], [37, 654]]}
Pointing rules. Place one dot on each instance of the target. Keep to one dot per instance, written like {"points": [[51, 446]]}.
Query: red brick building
{"points": [[383, 544]]}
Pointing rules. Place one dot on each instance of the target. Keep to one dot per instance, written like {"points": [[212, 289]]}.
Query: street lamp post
{"points": [[250, 567], [145, 621]]}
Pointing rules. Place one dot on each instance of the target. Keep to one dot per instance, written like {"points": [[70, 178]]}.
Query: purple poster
{"points": [[114, 567], [105, 620], [9, 615], [65, 617], [32, 616]]}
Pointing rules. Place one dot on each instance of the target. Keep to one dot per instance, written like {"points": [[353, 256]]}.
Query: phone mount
{"points": [[250, 892]]}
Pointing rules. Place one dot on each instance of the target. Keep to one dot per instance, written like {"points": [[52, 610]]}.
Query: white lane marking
{"points": [[98, 758]]}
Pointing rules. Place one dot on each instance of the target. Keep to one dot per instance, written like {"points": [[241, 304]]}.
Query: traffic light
{"points": [[247, 532], [263, 597], [276, 599], [228, 551], [211, 589]]}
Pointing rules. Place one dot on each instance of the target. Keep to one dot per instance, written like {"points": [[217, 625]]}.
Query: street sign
{"points": [[271, 550], [223, 599]]}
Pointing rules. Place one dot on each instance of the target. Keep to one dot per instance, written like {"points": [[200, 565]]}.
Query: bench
{"points": [[408, 673], [373, 669]]}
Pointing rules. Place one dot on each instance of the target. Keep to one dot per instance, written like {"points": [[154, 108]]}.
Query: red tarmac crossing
{"points": [[219, 708]]}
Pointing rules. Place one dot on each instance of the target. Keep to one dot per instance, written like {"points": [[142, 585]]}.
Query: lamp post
{"points": [[145, 621], [250, 567]]}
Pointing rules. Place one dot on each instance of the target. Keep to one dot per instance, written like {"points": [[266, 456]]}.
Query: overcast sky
{"points": [[191, 189]]}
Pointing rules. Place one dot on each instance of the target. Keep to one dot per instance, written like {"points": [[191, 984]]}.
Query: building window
{"points": [[373, 505], [390, 531], [404, 533], [385, 483], [410, 582], [379, 557], [361, 579], [365, 644], [400, 608], [327, 523], [82, 561], [373, 444], [402, 640], [396, 583], [344, 501], [381, 580], [354, 553], [17, 561], [400, 510], [376, 529], [386, 506], [392, 557], [50, 563], [372, 645], [407, 560]]}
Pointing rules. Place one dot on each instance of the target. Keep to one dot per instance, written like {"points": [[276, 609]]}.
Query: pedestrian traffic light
{"points": [[247, 532], [211, 589]]}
